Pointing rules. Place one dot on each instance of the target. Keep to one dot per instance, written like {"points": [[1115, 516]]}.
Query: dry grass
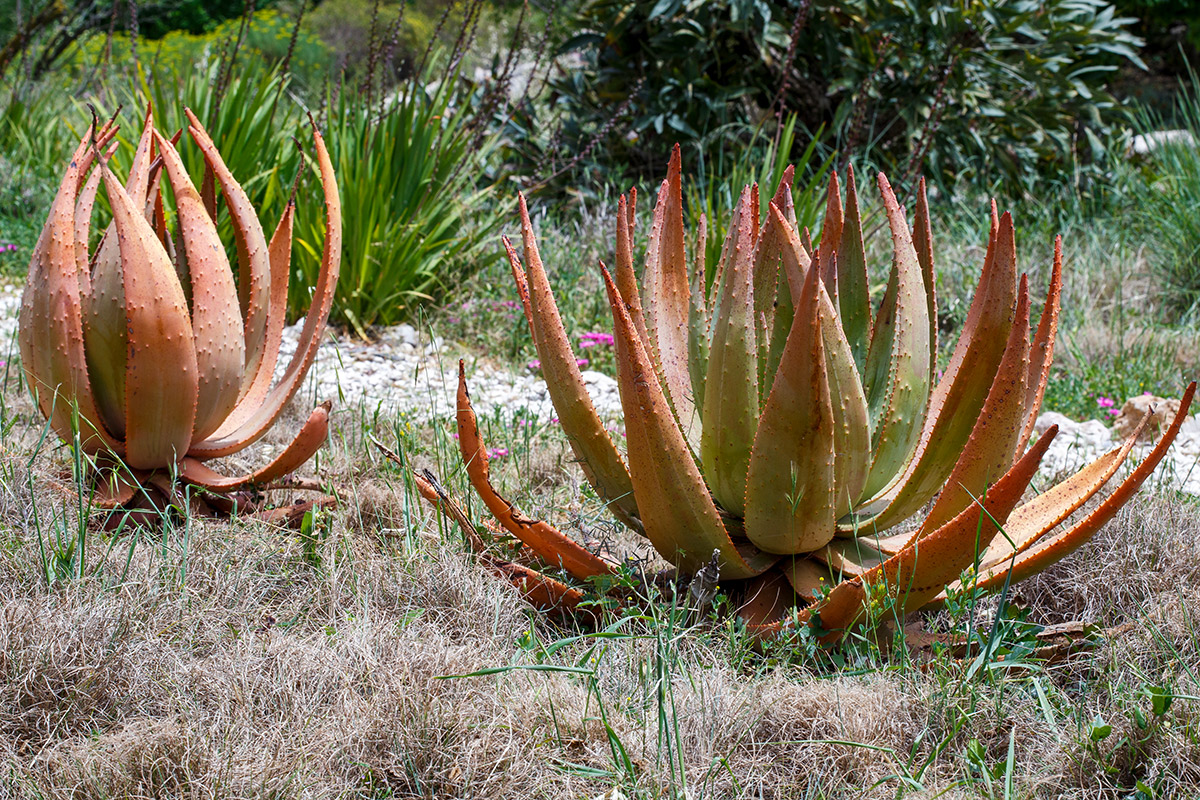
{"points": [[229, 659]]}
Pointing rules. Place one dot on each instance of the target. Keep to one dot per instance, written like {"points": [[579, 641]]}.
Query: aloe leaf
{"points": [[236, 434], [923, 244], [1042, 352], [698, 319], [104, 330], [678, 513], [852, 437], [1057, 547], [590, 441], [626, 280], [216, 319], [304, 445], [666, 304], [961, 392], [263, 319], [897, 376], [916, 574], [50, 334], [790, 492], [1032, 520], [831, 238], [730, 413], [160, 367], [854, 301], [990, 449]]}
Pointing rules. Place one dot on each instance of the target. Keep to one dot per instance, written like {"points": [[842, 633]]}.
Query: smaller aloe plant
{"points": [[777, 425], [148, 350]]}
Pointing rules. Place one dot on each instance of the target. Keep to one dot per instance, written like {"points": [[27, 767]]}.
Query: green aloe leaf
{"points": [[730, 413], [897, 378]]}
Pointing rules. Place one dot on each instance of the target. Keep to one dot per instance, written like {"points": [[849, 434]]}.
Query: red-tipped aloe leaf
{"points": [[854, 300], [216, 319], [308, 441], [160, 364], [50, 333], [231, 436], [1042, 353], [263, 320], [917, 573], [851, 434], [522, 283], [678, 513], [626, 280], [590, 442], [990, 450], [959, 395], [831, 237], [667, 299], [1030, 521], [1057, 547], [923, 244], [549, 543], [698, 319]]}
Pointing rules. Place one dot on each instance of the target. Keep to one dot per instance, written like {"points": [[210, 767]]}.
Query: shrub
{"points": [[990, 92]]}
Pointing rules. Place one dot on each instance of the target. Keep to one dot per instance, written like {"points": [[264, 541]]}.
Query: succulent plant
{"points": [[773, 422], [148, 350]]}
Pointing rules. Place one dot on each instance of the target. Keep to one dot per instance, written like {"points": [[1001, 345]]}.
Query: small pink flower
{"points": [[1112, 412], [590, 339], [581, 362], [586, 343], [554, 420], [534, 365], [1105, 402], [498, 452]]}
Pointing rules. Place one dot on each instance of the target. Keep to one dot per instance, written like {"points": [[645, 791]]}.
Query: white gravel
{"points": [[403, 371]]}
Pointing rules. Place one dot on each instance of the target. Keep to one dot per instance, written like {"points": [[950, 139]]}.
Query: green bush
{"points": [[267, 39], [989, 92]]}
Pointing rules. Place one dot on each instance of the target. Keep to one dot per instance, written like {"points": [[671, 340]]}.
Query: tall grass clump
{"points": [[408, 166], [1169, 211]]}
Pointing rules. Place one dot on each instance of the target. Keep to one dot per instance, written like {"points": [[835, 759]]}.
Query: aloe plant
{"points": [[774, 423], [148, 353]]}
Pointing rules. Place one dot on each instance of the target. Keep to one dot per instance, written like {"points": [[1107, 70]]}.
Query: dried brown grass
{"points": [[235, 661]]}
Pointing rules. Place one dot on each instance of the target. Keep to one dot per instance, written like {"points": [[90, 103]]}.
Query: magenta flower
{"points": [[498, 452], [534, 365], [1105, 402], [591, 339], [581, 362]]}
